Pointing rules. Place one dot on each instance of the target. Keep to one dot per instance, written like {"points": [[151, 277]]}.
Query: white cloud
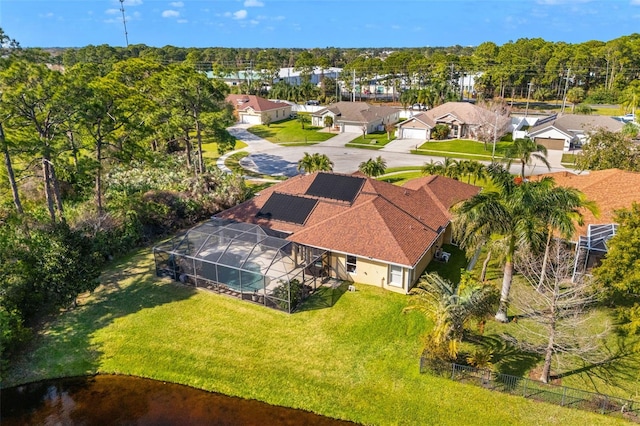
{"points": [[253, 3], [240, 14], [46, 15], [254, 22], [635, 2], [176, 4], [112, 11], [132, 2], [170, 14], [182, 21], [227, 14]]}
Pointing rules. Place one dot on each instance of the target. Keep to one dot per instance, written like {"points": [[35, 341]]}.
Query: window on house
{"points": [[277, 112], [395, 276], [351, 264]]}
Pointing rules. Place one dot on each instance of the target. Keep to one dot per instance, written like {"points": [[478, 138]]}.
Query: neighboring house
{"points": [[464, 119], [294, 77], [354, 116], [611, 190], [253, 109], [569, 131], [369, 231]]}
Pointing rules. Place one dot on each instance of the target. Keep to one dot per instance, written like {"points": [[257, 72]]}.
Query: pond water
{"points": [[125, 400]]}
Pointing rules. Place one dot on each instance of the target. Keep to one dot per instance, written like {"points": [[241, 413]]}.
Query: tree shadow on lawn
{"points": [[507, 358], [64, 347], [451, 270]]}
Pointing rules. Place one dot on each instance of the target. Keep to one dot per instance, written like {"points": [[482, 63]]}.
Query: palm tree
{"points": [[507, 216], [373, 168], [631, 97], [450, 307], [560, 211], [526, 150], [304, 119], [315, 163], [448, 167]]}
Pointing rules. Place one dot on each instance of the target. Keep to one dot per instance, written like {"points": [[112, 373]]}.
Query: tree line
{"points": [[98, 159], [527, 67]]}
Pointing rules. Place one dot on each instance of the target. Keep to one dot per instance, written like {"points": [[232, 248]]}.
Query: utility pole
{"points": [[124, 22], [566, 87], [526, 111], [353, 97]]}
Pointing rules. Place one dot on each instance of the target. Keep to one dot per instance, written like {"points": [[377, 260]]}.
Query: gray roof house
{"points": [[464, 119], [568, 131], [354, 116]]}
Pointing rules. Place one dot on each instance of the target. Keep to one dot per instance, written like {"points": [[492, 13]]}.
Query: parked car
{"points": [[313, 103], [419, 107]]}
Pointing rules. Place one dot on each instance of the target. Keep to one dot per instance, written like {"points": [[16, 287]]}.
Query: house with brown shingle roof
{"points": [[353, 117], [372, 232], [464, 119], [252, 109], [610, 190], [567, 131]]}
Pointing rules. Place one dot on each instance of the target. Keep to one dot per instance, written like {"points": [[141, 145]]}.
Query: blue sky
{"points": [[314, 23]]}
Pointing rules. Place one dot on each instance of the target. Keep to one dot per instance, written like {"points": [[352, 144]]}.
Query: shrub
{"points": [[440, 131]]}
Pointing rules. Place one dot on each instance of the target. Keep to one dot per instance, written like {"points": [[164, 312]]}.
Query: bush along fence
{"points": [[514, 385]]}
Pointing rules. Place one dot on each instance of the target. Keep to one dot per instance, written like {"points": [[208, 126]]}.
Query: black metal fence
{"points": [[559, 395]]}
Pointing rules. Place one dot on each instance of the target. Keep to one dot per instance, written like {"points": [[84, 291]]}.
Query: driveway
{"points": [[272, 159]]}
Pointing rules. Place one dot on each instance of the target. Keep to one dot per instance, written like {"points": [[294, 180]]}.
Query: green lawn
{"points": [[210, 149], [374, 140], [290, 132], [461, 148], [357, 360]]}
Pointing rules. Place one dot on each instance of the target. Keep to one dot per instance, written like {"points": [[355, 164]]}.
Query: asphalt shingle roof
{"points": [[385, 222], [611, 190]]}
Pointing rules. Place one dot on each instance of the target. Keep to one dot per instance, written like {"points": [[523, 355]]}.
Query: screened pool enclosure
{"points": [[242, 260]]}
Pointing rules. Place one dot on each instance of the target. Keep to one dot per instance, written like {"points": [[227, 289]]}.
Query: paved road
{"points": [[269, 158]]}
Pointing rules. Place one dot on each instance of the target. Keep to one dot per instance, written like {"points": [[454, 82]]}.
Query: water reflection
{"points": [[123, 400]]}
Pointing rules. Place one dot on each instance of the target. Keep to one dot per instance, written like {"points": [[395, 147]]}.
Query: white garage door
{"points": [[352, 129], [414, 133], [250, 119]]}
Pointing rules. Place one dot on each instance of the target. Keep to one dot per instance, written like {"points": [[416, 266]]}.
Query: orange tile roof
{"points": [[385, 222], [611, 190]]}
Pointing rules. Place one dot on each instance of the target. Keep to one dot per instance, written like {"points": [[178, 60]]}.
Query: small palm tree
{"points": [[373, 168], [315, 163], [526, 150], [448, 167], [303, 119], [450, 306]]}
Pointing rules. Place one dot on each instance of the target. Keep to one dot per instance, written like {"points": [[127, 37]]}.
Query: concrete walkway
{"points": [[272, 159]]}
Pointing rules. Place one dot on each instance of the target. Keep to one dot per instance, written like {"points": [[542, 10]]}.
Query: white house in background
{"points": [[293, 76], [568, 131], [251, 109], [352, 117]]}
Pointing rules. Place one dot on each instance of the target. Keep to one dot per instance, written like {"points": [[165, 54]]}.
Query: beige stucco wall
{"points": [[277, 114], [414, 124], [368, 271]]}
